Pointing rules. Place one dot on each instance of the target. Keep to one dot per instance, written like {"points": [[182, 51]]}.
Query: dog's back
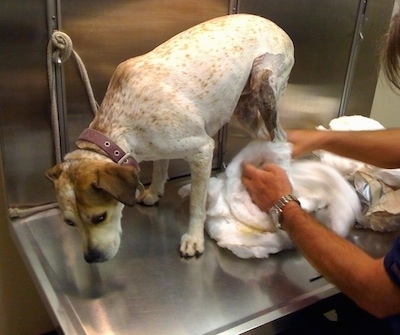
{"points": [[202, 71]]}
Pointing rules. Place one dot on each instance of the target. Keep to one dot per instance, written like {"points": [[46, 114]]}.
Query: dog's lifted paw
{"points": [[191, 246], [147, 198]]}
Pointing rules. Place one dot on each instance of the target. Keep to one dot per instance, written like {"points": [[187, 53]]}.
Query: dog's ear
{"points": [[53, 173], [120, 181]]}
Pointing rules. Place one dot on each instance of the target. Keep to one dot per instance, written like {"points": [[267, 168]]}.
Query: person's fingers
{"points": [[274, 171], [249, 170], [270, 167]]}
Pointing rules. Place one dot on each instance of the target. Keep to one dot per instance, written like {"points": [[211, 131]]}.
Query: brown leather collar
{"points": [[112, 150]]}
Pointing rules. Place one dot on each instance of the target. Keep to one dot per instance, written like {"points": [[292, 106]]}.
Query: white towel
{"points": [[237, 224]]}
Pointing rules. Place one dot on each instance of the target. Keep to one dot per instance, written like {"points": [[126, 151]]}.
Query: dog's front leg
{"points": [[156, 188], [192, 243]]}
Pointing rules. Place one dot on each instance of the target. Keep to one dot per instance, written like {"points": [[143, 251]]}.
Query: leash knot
{"points": [[63, 46]]}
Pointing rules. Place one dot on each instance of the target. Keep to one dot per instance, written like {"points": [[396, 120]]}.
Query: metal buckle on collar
{"points": [[124, 159]]}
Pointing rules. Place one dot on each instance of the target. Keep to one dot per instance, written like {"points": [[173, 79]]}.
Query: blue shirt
{"points": [[392, 262], [392, 266]]}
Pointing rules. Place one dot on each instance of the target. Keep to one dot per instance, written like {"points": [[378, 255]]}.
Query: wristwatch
{"points": [[275, 213]]}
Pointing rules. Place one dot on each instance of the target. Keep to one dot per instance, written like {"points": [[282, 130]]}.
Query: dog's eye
{"points": [[69, 222], [99, 219]]}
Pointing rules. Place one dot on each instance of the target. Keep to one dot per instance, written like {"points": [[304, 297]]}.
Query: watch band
{"points": [[277, 209]]}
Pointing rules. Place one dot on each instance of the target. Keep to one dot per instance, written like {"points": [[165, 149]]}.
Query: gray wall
{"points": [[336, 70], [24, 117]]}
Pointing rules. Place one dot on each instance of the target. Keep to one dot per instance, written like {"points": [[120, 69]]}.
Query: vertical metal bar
{"points": [[233, 6], [54, 23], [223, 132], [221, 149], [357, 39]]}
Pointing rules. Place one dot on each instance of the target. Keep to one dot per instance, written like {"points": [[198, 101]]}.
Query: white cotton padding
{"points": [[237, 224]]}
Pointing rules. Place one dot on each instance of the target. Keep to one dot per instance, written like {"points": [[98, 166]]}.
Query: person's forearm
{"points": [[354, 272], [380, 148]]}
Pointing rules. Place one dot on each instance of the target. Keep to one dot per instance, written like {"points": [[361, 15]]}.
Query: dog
{"points": [[168, 104]]}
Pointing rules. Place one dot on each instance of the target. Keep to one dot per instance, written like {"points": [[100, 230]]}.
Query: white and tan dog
{"points": [[167, 104]]}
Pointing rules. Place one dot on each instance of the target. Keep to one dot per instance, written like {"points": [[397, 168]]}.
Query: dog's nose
{"points": [[94, 256]]}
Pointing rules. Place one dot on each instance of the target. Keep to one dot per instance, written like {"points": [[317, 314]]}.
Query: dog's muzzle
{"points": [[95, 256]]}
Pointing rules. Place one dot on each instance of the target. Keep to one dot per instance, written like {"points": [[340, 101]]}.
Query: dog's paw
{"points": [[191, 246], [147, 198]]}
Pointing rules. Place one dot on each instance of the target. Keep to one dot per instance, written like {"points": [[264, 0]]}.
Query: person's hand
{"points": [[265, 186], [304, 141]]}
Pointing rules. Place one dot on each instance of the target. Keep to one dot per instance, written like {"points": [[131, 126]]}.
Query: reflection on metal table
{"points": [[148, 289]]}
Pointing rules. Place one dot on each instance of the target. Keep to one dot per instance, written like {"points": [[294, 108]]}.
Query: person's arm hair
{"points": [[380, 148], [353, 271], [359, 276]]}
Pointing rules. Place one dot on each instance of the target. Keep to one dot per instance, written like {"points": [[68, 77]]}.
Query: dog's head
{"points": [[91, 195]]}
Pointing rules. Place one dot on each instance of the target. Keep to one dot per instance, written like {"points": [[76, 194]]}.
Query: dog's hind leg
{"points": [[268, 80], [156, 188], [192, 243], [247, 117]]}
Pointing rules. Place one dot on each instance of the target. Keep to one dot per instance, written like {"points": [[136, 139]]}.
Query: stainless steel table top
{"points": [[148, 289]]}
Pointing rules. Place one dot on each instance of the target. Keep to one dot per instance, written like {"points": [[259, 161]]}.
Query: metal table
{"points": [[148, 289]]}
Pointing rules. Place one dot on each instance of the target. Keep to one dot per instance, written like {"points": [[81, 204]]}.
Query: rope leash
{"points": [[59, 49]]}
